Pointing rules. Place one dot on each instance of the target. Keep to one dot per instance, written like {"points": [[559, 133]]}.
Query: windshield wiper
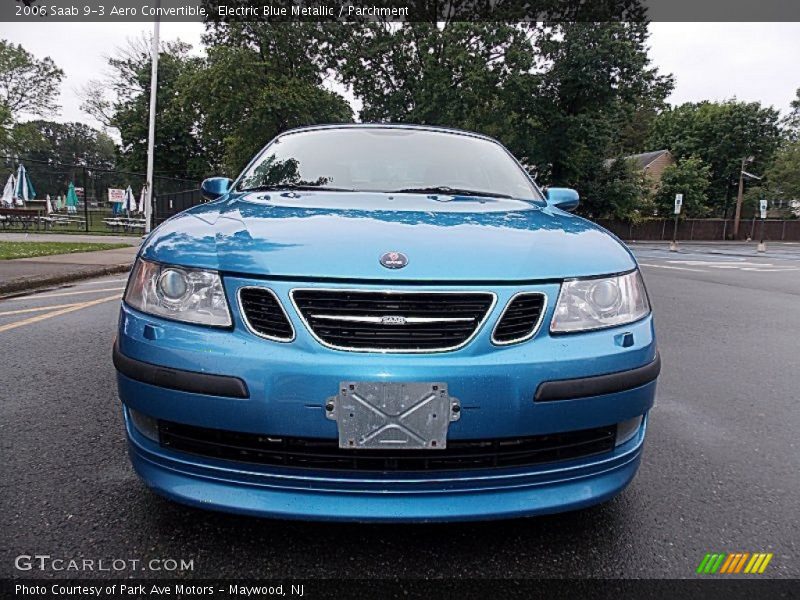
{"points": [[294, 187], [443, 189]]}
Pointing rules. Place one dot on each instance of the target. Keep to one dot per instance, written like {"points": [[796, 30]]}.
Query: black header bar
{"points": [[344, 11]]}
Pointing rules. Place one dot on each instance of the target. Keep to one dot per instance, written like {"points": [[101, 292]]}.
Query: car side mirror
{"points": [[214, 187], [563, 198]]}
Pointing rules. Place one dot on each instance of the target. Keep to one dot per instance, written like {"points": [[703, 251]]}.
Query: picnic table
{"points": [[24, 217], [65, 221], [124, 224]]}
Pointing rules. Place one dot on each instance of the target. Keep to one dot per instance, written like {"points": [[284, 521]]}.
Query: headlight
{"points": [[585, 304], [191, 295]]}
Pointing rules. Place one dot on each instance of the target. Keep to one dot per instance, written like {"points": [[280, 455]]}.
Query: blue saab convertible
{"points": [[385, 323]]}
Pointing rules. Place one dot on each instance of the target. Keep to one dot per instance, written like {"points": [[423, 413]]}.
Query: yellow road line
{"points": [[114, 289], [37, 309], [57, 313]]}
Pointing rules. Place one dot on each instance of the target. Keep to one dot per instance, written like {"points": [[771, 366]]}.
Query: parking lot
{"points": [[721, 470]]}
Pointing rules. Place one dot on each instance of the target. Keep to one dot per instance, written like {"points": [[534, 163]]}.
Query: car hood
{"points": [[343, 235]]}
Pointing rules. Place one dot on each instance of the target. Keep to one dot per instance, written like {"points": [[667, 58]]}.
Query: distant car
{"points": [[385, 323]]}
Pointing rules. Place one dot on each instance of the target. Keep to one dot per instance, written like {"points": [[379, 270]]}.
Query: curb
{"points": [[29, 284]]}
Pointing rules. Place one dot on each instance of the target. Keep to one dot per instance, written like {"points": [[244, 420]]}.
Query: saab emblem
{"points": [[394, 260]]}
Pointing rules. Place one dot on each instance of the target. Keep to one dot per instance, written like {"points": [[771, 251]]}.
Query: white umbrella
{"points": [[142, 199], [48, 205], [129, 202], [8, 191]]}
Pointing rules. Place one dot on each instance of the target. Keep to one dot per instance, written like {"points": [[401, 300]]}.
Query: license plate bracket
{"points": [[391, 415]]}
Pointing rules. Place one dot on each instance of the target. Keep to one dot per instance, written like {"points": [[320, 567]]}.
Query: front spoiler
{"points": [[325, 496]]}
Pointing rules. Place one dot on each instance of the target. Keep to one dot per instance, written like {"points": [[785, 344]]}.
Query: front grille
{"points": [[264, 315], [393, 321], [325, 454], [520, 318]]}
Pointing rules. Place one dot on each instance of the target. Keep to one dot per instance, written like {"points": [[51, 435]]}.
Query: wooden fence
{"points": [[775, 230]]}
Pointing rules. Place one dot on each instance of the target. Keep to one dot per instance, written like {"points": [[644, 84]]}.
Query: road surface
{"points": [[721, 470]]}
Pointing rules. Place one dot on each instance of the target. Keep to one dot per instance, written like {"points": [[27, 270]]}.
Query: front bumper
{"points": [[461, 496], [283, 388]]}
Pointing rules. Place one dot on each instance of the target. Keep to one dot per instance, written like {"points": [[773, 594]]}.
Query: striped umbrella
{"points": [[24, 190]]}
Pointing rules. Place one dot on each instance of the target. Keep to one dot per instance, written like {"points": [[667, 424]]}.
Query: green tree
{"points": [[66, 143], [618, 192], [792, 121], [689, 177], [721, 134], [558, 96], [783, 175], [468, 75], [27, 85], [6, 123], [178, 150], [258, 80], [600, 78]]}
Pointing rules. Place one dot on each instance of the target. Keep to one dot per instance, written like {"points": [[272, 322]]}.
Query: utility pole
{"points": [[739, 198], [151, 135]]}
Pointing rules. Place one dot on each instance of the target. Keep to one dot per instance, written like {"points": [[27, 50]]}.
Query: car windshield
{"points": [[387, 159]]}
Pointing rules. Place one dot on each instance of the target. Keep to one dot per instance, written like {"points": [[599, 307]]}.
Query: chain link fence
{"points": [[93, 212]]}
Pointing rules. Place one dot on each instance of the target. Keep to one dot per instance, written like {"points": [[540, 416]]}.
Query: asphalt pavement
{"points": [[721, 470]]}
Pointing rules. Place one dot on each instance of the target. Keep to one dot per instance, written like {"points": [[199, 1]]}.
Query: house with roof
{"points": [[651, 164]]}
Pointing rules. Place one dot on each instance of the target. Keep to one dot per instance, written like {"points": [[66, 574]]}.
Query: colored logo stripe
{"points": [[735, 562]]}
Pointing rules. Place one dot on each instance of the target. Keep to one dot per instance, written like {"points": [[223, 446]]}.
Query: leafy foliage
{"points": [[6, 122], [260, 79], [598, 78], [689, 177], [66, 143], [27, 85], [558, 95], [454, 74], [214, 112], [783, 175], [178, 152], [720, 134], [619, 191], [792, 121]]}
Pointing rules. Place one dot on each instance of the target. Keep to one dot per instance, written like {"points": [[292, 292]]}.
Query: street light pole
{"points": [[151, 134]]}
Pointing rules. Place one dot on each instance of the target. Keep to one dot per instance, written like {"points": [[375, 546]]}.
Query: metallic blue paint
{"points": [[342, 235], [564, 198], [214, 187], [335, 239]]}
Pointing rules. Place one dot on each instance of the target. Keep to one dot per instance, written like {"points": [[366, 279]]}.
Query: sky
{"points": [[710, 61]]}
